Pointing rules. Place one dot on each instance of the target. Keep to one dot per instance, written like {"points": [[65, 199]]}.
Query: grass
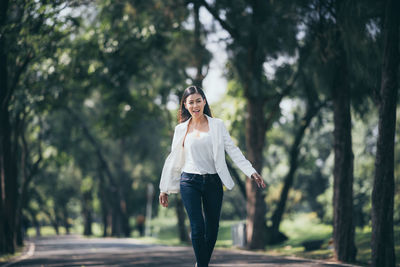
{"points": [[76, 229], [301, 228], [304, 227], [7, 257]]}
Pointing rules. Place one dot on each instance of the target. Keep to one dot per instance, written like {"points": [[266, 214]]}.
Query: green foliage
{"points": [[98, 77], [95, 78]]}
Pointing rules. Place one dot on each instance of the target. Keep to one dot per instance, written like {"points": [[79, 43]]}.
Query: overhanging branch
{"points": [[232, 31]]}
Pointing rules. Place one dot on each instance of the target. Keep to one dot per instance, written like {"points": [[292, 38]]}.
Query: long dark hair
{"points": [[183, 113]]}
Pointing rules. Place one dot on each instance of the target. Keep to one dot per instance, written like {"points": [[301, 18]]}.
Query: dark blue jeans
{"points": [[202, 193]]}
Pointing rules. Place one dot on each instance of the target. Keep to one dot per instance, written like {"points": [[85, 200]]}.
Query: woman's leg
{"points": [[191, 197], [212, 203]]}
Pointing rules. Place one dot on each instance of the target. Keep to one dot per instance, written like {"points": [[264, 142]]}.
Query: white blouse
{"points": [[221, 143], [198, 153]]}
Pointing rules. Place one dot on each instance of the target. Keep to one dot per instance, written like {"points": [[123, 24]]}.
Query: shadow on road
{"points": [[79, 251]]}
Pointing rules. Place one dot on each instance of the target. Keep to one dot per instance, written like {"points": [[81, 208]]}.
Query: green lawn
{"points": [[76, 229], [7, 257], [301, 228], [306, 227]]}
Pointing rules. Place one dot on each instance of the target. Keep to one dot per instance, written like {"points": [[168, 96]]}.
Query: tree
{"points": [[383, 189], [343, 225], [28, 30], [110, 97], [253, 38], [331, 23], [313, 107], [8, 162]]}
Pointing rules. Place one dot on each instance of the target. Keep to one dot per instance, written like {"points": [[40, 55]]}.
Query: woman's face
{"points": [[195, 105]]}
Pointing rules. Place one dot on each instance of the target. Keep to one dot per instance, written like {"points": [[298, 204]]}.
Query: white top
{"points": [[198, 153], [221, 143]]}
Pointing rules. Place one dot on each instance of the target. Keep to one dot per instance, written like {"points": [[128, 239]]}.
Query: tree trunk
{"points": [[65, 220], [87, 213], [4, 246], [343, 226], [256, 208], [237, 202], [383, 191], [125, 219], [120, 219], [104, 217], [198, 46], [56, 229], [27, 173], [248, 62], [116, 221], [119, 225], [183, 233], [104, 202], [35, 222], [8, 169], [274, 236], [125, 185], [37, 228], [54, 221], [19, 234]]}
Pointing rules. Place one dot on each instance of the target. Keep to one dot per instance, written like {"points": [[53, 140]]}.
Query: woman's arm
{"points": [[163, 198], [165, 176], [239, 159], [259, 180]]}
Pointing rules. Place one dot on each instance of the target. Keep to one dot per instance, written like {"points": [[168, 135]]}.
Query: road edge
{"points": [[27, 254], [321, 261]]}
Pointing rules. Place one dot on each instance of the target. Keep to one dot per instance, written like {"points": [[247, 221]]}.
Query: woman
{"points": [[197, 168]]}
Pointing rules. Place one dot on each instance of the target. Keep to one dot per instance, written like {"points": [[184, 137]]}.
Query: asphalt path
{"points": [[79, 251]]}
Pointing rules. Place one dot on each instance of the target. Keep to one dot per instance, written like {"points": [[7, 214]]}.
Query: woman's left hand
{"points": [[259, 180]]}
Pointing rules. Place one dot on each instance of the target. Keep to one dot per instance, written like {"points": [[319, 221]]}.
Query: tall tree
{"points": [[8, 163], [383, 190], [313, 107], [124, 76], [330, 22], [202, 56], [21, 24], [6, 242], [343, 225], [254, 37]]}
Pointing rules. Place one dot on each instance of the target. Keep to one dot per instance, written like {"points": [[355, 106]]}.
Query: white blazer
{"points": [[221, 142]]}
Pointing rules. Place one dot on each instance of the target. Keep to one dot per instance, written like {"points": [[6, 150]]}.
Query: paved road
{"points": [[79, 251]]}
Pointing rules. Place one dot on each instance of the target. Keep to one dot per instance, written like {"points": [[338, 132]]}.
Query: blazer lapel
{"points": [[181, 134], [213, 132], [214, 136]]}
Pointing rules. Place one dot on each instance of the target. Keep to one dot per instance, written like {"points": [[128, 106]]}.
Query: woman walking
{"points": [[197, 168]]}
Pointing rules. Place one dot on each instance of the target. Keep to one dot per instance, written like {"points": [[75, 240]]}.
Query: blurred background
{"points": [[90, 92]]}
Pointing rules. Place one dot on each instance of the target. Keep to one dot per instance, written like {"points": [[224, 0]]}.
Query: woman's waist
{"points": [[200, 178], [199, 168]]}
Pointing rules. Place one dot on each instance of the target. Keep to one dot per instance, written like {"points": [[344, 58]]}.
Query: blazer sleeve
{"points": [[235, 154], [174, 139], [167, 168]]}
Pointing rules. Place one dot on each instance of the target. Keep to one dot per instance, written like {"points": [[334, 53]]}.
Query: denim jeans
{"points": [[202, 193]]}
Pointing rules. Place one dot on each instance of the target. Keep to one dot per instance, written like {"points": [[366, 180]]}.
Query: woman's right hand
{"points": [[163, 198]]}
